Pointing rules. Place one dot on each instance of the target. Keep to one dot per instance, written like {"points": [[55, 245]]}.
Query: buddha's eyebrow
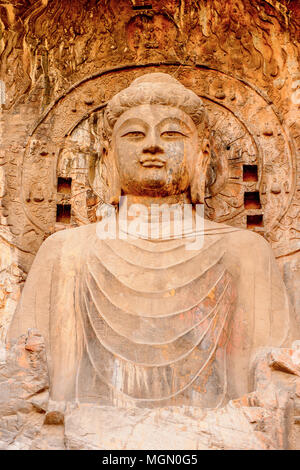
{"points": [[132, 122]]}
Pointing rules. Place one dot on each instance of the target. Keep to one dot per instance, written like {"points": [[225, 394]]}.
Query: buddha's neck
{"points": [[171, 216], [148, 201]]}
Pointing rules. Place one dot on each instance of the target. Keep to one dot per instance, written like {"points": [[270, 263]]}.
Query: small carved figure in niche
{"points": [[36, 193], [152, 33], [144, 322]]}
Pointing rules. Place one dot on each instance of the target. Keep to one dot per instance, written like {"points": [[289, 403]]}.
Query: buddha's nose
{"points": [[153, 149], [151, 145], [152, 155]]}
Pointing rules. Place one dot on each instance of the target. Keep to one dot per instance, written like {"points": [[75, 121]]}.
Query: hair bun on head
{"points": [[154, 88], [156, 77]]}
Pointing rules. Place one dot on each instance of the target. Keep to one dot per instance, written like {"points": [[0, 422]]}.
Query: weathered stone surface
{"points": [[24, 384], [151, 319], [24, 397], [242, 57], [62, 67], [185, 428], [266, 419], [151, 323]]}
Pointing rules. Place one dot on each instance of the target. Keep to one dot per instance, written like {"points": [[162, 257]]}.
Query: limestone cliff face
{"points": [[265, 419], [61, 62]]}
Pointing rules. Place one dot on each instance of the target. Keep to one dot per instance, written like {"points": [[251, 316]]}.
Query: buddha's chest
{"points": [[157, 336]]}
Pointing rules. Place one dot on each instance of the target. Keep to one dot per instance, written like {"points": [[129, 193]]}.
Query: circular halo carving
{"points": [[251, 175]]}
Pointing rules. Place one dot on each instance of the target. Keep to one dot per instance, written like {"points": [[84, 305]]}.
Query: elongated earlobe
{"points": [[105, 180], [199, 177]]}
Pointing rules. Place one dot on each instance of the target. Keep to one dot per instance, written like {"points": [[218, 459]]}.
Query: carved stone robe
{"points": [[140, 323]]}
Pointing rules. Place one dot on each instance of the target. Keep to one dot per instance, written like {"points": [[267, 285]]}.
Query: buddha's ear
{"points": [[199, 177], [104, 176]]}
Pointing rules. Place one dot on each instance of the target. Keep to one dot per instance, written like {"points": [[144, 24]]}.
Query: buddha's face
{"points": [[155, 148]]}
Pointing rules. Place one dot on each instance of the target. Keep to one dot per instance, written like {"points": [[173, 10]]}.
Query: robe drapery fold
{"points": [[144, 323]]}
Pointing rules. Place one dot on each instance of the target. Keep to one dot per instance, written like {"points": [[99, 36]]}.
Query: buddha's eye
{"points": [[172, 134], [134, 134]]}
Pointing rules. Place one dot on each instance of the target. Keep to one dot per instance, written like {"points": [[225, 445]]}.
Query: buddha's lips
{"points": [[155, 163]]}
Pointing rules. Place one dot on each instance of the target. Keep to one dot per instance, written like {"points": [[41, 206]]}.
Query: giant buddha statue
{"points": [[148, 321]]}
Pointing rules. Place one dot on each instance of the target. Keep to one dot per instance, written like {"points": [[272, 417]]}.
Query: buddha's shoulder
{"points": [[69, 240], [239, 239]]}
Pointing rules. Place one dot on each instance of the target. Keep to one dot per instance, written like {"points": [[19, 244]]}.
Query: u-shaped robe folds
{"points": [[141, 323]]}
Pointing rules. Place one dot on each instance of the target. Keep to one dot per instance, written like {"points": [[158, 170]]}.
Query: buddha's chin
{"points": [[153, 183], [153, 180]]}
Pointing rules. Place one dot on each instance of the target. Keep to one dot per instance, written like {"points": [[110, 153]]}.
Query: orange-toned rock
{"points": [[145, 323], [148, 315]]}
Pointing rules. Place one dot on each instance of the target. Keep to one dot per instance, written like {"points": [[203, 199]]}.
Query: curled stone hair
{"points": [[154, 88]]}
